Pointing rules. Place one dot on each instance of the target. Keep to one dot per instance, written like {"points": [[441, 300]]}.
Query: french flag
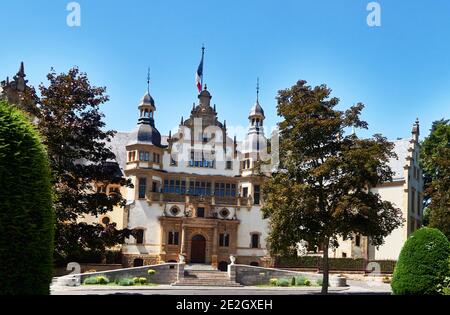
{"points": [[199, 74]]}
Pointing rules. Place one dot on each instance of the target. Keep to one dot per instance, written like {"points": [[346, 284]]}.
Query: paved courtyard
{"points": [[354, 287]]}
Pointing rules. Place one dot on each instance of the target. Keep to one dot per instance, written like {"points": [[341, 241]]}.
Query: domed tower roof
{"points": [[256, 110], [145, 134], [147, 99]]}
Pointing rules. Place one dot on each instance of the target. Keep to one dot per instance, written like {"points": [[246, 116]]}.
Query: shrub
{"points": [[293, 281], [91, 280], [273, 281], [136, 279], [422, 264], [283, 283], [300, 280], [319, 282], [151, 272], [126, 282], [142, 280], [26, 216], [102, 280], [307, 282]]}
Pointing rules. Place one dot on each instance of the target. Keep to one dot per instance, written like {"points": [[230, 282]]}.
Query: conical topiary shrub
{"points": [[422, 264], [26, 214]]}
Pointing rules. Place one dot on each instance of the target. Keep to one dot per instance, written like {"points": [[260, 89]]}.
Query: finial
{"points": [[170, 134], [182, 120], [214, 107], [417, 120], [257, 89], [193, 106], [206, 87], [21, 70], [234, 140], [148, 80], [225, 124]]}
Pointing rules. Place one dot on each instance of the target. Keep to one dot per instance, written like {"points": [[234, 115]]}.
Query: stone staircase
{"points": [[193, 277]]}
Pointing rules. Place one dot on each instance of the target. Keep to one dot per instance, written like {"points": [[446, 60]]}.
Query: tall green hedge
{"points": [[26, 213], [422, 264]]}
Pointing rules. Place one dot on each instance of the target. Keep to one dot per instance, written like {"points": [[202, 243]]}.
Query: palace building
{"points": [[197, 192]]}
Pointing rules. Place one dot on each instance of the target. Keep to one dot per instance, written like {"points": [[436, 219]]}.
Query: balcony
{"points": [[214, 200]]}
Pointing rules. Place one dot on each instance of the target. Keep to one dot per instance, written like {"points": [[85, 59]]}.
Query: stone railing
{"points": [[252, 275], [166, 273]]}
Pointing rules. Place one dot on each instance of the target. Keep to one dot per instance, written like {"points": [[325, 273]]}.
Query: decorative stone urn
{"points": [[232, 259], [181, 259]]}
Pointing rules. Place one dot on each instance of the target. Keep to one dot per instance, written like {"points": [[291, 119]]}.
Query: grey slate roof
{"points": [[120, 141], [401, 149]]}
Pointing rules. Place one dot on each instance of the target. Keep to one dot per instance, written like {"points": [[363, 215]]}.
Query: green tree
{"points": [[322, 191], [423, 263], [26, 213], [435, 162], [71, 122]]}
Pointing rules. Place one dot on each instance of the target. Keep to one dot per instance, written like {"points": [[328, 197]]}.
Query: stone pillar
{"points": [[183, 239], [214, 261], [180, 271], [232, 272], [162, 254]]}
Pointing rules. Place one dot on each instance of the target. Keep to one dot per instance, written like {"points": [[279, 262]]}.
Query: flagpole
{"points": [[203, 63]]}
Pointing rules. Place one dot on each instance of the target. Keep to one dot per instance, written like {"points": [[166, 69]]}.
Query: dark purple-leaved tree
{"points": [[70, 121]]}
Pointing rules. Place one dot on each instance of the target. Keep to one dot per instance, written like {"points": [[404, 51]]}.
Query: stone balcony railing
{"points": [[214, 200]]}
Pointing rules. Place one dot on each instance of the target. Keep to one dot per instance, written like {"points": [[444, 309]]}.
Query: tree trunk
{"points": [[325, 268]]}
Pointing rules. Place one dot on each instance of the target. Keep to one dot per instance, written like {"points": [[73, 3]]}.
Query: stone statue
{"points": [[180, 258]]}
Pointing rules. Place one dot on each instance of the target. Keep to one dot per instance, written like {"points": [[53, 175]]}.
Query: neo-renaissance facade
{"points": [[197, 193]]}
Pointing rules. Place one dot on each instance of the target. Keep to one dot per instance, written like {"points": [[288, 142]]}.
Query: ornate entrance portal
{"points": [[198, 249]]}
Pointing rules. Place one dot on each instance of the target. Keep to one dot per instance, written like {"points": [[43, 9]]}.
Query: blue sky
{"points": [[399, 70]]}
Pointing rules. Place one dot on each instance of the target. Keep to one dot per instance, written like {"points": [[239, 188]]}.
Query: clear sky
{"points": [[399, 70]]}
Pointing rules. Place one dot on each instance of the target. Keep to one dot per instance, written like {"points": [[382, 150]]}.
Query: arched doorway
{"points": [[198, 249]]}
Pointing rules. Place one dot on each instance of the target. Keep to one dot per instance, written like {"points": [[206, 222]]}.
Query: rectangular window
{"points": [[255, 240], [142, 187], [229, 165], [257, 195], [155, 187], [224, 240], [101, 189], [139, 236], [245, 192], [358, 240], [144, 156], [173, 238], [200, 212]]}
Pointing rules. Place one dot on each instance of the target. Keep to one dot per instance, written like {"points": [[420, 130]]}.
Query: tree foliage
{"points": [[71, 122], [423, 263], [322, 191], [26, 213], [435, 161]]}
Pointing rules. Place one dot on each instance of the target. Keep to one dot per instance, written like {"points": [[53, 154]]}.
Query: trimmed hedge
{"points": [[422, 264], [342, 264], [26, 210]]}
